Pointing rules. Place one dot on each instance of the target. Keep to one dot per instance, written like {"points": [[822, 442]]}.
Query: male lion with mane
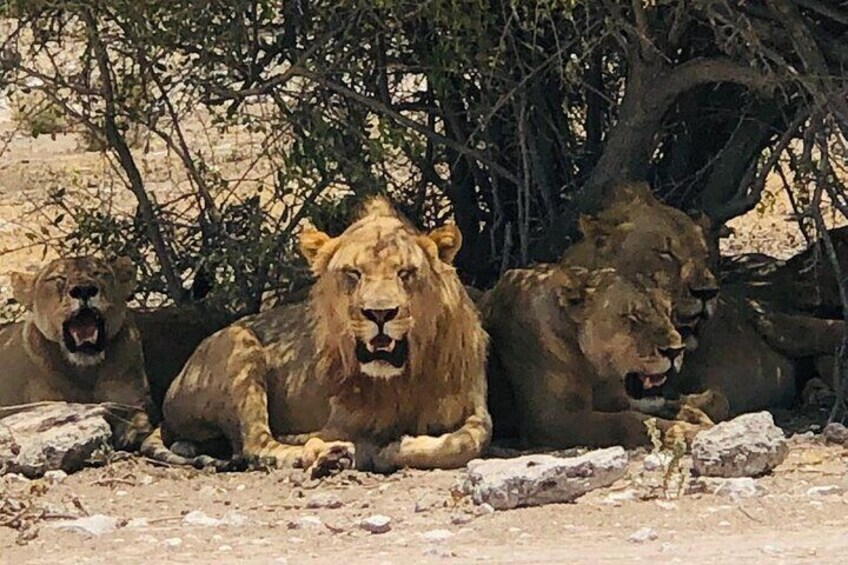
{"points": [[77, 343], [387, 355], [587, 354]]}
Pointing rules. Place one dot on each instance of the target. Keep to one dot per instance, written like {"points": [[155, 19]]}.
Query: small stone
{"points": [[224, 548], [460, 519], [15, 478], [305, 522], [736, 488], [95, 525], [441, 552], [617, 498], [172, 542], [642, 535], [667, 505], [534, 480], [835, 433], [138, 523], [747, 446], [828, 490], [656, 461], [55, 477], [324, 501], [484, 509], [233, 518], [198, 518], [437, 535], [376, 524], [724, 524]]}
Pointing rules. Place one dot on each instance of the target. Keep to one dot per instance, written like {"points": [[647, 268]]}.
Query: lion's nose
{"points": [[704, 293], [380, 317], [673, 352], [83, 292]]}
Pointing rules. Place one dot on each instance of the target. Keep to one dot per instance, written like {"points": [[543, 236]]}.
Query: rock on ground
{"points": [[748, 446], [55, 436], [377, 524], [95, 525], [533, 480]]}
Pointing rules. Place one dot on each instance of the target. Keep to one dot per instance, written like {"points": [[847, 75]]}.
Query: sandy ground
{"points": [[267, 518]]}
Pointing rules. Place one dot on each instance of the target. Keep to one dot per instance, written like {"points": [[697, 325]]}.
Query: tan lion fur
{"points": [[292, 372], [35, 364], [654, 244], [564, 338]]}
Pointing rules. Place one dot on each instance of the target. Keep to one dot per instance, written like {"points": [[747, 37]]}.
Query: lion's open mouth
{"points": [[383, 348], [84, 332], [641, 385]]}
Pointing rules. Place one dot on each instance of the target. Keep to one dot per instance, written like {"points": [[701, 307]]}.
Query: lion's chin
{"points": [[380, 370]]}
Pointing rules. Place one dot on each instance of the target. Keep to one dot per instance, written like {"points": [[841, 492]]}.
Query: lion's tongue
{"points": [[651, 381], [381, 341], [84, 332]]}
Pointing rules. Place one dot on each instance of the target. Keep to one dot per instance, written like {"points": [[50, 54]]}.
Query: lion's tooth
{"points": [[678, 363]]}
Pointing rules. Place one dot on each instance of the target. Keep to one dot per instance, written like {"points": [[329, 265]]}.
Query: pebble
{"points": [[437, 535], [55, 477], [198, 518], [484, 509], [442, 552], [305, 522], [225, 548], [95, 525], [835, 433], [642, 535], [735, 488], [656, 461], [324, 501], [172, 542], [376, 524], [827, 490]]}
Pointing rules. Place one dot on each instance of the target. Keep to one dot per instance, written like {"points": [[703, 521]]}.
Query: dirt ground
{"points": [[179, 516]]}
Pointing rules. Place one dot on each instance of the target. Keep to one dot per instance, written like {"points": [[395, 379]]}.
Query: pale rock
{"points": [[747, 446], [330, 501], [828, 490], [305, 523], [55, 436], [835, 432], [534, 480], [376, 524], [642, 535], [437, 535], [55, 477], [95, 525]]}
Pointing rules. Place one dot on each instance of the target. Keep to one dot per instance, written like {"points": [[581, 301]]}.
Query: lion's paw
{"points": [[322, 458]]}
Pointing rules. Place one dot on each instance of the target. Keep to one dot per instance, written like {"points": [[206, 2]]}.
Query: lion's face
{"points": [[626, 332], [663, 248], [381, 276], [78, 303]]}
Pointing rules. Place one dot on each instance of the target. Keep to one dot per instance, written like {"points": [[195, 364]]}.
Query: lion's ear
{"points": [[594, 229], [311, 242], [23, 288], [448, 240], [125, 272]]}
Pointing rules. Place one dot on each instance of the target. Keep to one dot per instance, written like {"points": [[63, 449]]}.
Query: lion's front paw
{"points": [[681, 431], [129, 435], [322, 458], [695, 416]]}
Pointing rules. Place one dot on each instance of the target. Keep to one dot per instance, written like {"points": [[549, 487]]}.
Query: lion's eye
{"points": [[407, 274], [58, 280], [667, 255], [351, 275]]}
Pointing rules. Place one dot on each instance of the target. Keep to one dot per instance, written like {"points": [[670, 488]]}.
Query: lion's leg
{"points": [[797, 335], [447, 451]]}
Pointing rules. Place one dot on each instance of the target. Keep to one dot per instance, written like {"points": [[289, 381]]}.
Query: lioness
{"points": [[587, 354], [655, 245], [77, 343], [387, 353]]}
